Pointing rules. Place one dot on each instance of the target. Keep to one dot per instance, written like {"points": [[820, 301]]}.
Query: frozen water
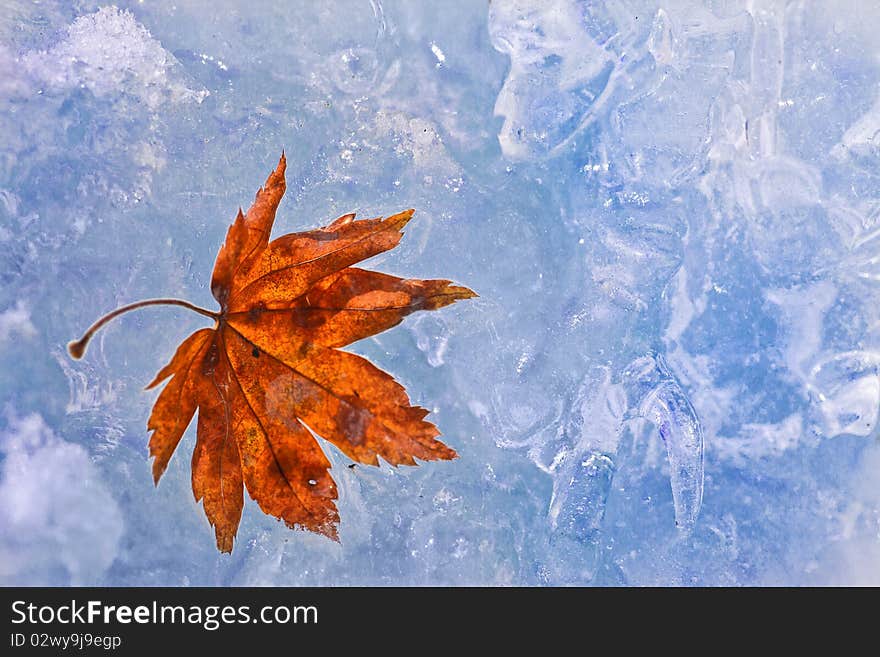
{"points": [[669, 210]]}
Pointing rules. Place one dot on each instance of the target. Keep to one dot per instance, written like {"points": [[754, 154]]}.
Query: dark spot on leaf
{"points": [[257, 310], [353, 422], [307, 318], [255, 353], [212, 357]]}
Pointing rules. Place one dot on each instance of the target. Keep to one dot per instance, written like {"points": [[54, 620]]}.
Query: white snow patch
{"points": [[16, 321], [56, 515], [109, 53]]}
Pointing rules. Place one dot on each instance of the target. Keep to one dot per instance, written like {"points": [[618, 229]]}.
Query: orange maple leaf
{"points": [[270, 372]]}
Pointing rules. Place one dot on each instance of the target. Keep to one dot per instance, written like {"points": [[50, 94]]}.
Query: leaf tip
{"points": [[446, 294], [399, 220], [277, 176], [158, 470], [443, 452], [225, 542], [461, 292], [332, 532]]}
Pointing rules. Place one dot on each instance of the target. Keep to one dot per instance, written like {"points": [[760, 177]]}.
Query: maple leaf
{"points": [[269, 373]]}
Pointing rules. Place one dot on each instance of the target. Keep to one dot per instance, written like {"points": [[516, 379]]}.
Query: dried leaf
{"points": [[270, 374]]}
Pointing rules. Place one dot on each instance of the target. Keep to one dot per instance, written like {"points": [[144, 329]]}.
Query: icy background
{"points": [[670, 211]]}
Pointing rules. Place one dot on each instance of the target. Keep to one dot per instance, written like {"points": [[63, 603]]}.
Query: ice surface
{"points": [[669, 210]]}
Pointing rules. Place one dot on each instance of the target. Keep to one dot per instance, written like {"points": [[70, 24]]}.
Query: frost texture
{"points": [[669, 210], [109, 53]]}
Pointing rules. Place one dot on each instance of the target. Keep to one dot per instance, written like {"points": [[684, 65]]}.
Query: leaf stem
{"points": [[77, 348]]}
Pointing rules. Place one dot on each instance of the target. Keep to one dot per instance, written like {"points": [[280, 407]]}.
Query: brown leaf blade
{"points": [[354, 304], [216, 464], [270, 373], [348, 401], [286, 472], [176, 405]]}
